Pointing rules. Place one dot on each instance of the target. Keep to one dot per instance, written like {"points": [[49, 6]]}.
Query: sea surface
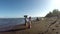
{"points": [[11, 21], [8, 23]]}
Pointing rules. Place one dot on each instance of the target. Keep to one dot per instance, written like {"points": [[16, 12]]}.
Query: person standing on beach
{"points": [[29, 22], [26, 20], [37, 19]]}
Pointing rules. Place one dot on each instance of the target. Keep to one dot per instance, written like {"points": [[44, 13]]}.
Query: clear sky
{"points": [[34, 8]]}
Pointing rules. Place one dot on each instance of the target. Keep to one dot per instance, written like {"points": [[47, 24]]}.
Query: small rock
{"points": [[53, 29], [56, 32], [57, 26]]}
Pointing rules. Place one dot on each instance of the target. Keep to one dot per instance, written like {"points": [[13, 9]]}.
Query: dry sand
{"points": [[38, 27]]}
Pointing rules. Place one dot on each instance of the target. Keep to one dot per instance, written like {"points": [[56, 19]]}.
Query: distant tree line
{"points": [[54, 13]]}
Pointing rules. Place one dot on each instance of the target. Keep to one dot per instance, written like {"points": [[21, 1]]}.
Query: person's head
{"points": [[25, 16], [30, 17]]}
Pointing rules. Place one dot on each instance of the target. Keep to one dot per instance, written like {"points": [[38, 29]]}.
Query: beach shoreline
{"points": [[38, 27]]}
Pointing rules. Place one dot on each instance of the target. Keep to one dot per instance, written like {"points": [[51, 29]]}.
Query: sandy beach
{"points": [[38, 27]]}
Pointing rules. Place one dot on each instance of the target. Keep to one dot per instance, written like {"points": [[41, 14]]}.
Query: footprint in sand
{"points": [[57, 32]]}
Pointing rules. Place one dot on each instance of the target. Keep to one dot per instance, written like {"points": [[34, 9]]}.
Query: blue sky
{"points": [[19, 8]]}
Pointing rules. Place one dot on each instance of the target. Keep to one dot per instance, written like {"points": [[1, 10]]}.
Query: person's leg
{"points": [[29, 25], [26, 25]]}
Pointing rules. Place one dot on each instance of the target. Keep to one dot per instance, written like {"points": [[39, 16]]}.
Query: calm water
{"points": [[11, 21], [8, 23]]}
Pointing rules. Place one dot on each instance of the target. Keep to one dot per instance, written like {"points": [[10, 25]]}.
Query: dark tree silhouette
{"points": [[54, 13]]}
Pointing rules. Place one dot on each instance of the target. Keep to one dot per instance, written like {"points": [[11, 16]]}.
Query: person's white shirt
{"points": [[28, 20]]}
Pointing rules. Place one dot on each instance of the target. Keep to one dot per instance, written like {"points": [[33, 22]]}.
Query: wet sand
{"points": [[38, 27]]}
